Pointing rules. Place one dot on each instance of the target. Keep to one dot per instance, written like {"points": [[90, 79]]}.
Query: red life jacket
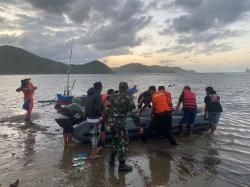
{"points": [[169, 99], [104, 97], [189, 100], [159, 100]]}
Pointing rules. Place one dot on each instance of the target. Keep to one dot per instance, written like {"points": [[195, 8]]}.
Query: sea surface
{"points": [[34, 153]]}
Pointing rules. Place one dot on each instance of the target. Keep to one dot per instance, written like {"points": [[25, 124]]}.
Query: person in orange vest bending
{"points": [[162, 115], [168, 96], [188, 99]]}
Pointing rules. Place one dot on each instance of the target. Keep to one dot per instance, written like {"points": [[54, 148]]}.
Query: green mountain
{"points": [[14, 60], [94, 67], [140, 68]]}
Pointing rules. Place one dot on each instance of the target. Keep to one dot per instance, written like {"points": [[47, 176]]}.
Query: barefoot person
{"points": [[93, 109], [68, 116], [28, 91], [213, 108], [188, 99]]}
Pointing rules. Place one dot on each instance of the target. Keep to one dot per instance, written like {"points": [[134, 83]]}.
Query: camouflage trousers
{"points": [[119, 141]]}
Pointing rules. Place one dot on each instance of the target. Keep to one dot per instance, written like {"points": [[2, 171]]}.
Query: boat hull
{"points": [[81, 131]]}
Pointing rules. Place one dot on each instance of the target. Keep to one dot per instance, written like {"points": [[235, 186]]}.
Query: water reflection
{"points": [[211, 160], [115, 178], [96, 172], [160, 168], [29, 148], [66, 161]]}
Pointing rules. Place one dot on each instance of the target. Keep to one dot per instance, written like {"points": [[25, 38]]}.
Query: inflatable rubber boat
{"points": [[81, 131]]}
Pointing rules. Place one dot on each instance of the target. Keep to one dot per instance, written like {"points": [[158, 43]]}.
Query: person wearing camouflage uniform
{"points": [[121, 104]]}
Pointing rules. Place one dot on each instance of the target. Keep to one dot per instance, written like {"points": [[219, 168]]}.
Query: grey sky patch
{"points": [[9, 1], [52, 6], [208, 36], [190, 4], [97, 28], [205, 14], [8, 39], [147, 54], [204, 23], [215, 48], [2, 19], [119, 34], [177, 49], [166, 62], [208, 48], [118, 24], [119, 10]]}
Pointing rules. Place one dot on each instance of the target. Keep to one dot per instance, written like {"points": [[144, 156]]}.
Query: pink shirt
{"points": [[28, 91]]}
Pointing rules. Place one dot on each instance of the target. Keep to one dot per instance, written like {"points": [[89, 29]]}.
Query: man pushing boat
{"points": [[93, 109], [67, 117]]}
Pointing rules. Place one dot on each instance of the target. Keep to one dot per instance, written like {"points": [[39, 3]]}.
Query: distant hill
{"points": [[94, 67], [140, 68], [14, 60]]}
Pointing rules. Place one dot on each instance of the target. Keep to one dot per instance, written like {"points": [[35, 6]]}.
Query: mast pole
{"points": [[69, 66]]}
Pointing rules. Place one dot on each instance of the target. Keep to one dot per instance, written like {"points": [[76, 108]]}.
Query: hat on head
{"points": [[24, 82]]}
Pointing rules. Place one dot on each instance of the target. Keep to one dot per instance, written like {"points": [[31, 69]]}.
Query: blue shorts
{"points": [[214, 117], [188, 117], [26, 105]]}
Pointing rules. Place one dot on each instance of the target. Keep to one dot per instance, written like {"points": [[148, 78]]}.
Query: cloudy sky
{"points": [[204, 35]]}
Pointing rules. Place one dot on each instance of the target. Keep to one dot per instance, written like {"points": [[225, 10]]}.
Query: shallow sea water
{"points": [[34, 153]]}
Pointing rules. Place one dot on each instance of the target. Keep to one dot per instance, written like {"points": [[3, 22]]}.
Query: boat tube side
{"points": [[81, 131]]}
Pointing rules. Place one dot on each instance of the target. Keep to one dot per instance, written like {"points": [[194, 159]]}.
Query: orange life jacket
{"points": [[189, 100], [160, 102]]}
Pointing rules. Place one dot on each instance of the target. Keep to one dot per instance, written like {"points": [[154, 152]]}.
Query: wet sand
{"points": [[34, 154]]}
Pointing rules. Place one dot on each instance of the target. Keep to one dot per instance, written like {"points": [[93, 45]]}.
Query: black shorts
{"points": [[66, 124], [163, 123]]}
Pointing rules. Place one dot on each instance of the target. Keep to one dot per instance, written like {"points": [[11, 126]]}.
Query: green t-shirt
{"points": [[75, 108]]}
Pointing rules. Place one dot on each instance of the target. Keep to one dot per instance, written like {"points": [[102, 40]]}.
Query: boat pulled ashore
{"points": [[81, 131]]}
